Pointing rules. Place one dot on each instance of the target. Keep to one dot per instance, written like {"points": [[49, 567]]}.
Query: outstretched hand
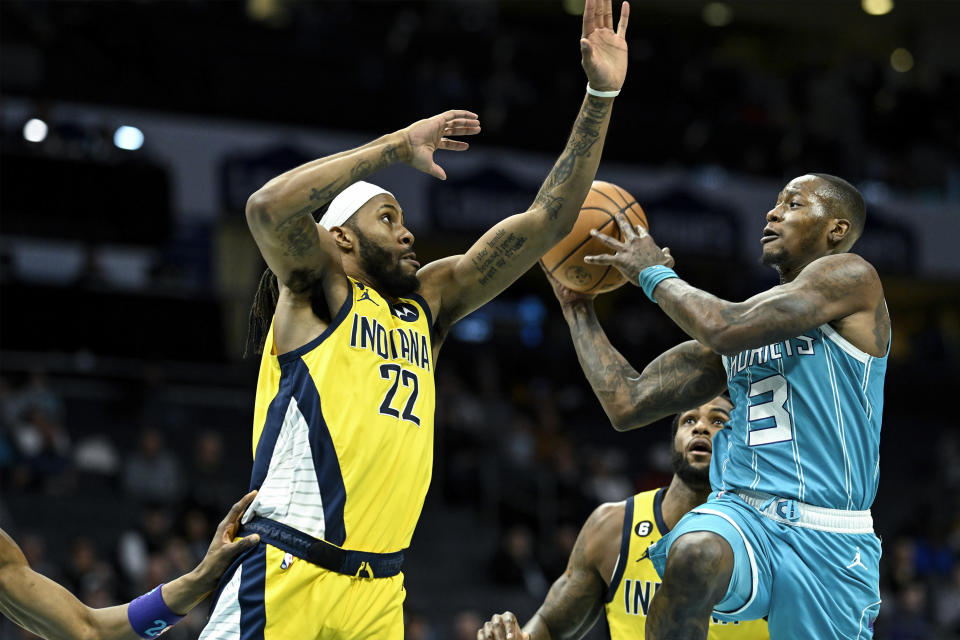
{"points": [[604, 50], [633, 254], [428, 135]]}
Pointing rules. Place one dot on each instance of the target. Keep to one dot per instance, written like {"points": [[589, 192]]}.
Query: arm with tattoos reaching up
{"points": [[457, 285], [280, 213]]}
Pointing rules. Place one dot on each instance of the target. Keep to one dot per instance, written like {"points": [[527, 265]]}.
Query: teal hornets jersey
{"points": [[805, 422]]}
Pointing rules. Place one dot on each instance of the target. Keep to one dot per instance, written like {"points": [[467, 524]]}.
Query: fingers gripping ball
{"points": [[565, 260]]}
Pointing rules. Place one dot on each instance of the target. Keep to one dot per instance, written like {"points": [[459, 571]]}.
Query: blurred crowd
{"points": [[761, 95], [152, 507]]}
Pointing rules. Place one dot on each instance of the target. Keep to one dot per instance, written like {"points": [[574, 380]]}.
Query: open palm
{"points": [[604, 50], [427, 135]]}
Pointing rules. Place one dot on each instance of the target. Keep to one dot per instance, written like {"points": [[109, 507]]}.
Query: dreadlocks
{"points": [[264, 305]]}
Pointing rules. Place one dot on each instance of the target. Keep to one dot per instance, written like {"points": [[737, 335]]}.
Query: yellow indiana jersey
{"points": [[635, 581], [343, 426]]}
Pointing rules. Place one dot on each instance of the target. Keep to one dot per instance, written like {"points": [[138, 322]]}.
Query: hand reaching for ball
{"points": [[566, 295], [633, 254]]}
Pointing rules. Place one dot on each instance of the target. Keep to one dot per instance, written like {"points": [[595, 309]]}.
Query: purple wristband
{"points": [[150, 616]]}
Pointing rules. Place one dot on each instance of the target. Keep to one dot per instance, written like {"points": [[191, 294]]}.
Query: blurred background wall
{"points": [[133, 132]]}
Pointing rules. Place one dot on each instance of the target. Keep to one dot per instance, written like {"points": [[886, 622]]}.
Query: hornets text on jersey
{"points": [[805, 422]]}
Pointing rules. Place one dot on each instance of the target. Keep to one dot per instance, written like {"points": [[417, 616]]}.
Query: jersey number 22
{"points": [[409, 379]]}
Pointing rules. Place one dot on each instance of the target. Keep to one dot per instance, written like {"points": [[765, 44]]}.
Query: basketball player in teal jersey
{"points": [[788, 532]]}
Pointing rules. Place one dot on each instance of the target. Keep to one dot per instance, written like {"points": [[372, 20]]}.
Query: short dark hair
{"points": [[845, 201]]}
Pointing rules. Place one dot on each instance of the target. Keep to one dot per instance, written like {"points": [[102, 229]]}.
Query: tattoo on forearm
{"points": [[390, 155], [326, 193], [363, 168], [586, 132], [501, 248], [320, 196], [562, 170], [550, 204], [685, 375]]}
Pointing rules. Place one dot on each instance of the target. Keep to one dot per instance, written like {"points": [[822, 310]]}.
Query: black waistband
{"points": [[362, 564]]}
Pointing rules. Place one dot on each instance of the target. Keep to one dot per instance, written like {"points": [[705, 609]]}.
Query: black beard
{"points": [[697, 479], [381, 266]]}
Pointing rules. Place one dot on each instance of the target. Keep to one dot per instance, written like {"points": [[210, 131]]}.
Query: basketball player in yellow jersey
{"points": [[608, 568], [343, 432]]}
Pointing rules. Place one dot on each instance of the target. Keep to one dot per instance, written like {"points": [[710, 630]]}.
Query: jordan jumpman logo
{"points": [[856, 561]]}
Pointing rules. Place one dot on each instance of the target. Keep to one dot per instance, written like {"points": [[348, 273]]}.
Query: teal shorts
{"points": [[818, 583]]}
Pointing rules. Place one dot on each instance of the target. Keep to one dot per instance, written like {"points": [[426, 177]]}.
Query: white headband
{"points": [[349, 202]]}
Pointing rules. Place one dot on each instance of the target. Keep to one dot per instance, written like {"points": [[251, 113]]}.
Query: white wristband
{"points": [[602, 94]]}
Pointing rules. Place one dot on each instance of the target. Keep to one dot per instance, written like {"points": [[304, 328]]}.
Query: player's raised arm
{"points": [[830, 288], [457, 285], [43, 607], [280, 213], [575, 600], [685, 376]]}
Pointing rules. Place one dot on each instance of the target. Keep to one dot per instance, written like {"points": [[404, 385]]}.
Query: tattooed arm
{"points": [[687, 375], [280, 215], [299, 251], [575, 601], [830, 289], [457, 285]]}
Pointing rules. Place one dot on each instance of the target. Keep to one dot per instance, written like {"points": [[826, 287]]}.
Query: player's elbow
{"points": [[724, 344], [259, 209], [722, 338], [624, 419]]}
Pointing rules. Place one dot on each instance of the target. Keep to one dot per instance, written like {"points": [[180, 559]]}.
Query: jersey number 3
{"points": [[408, 379], [782, 428]]}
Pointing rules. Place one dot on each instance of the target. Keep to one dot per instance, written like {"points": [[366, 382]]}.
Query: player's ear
{"points": [[343, 237], [839, 230]]}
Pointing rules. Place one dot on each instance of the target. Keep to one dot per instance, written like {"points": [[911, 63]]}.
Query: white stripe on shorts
{"points": [[224, 623]]}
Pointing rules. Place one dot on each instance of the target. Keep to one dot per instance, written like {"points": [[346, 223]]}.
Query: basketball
{"points": [[565, 261]]}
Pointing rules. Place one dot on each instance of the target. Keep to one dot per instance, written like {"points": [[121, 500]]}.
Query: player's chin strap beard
{"points": [[383, 269]]}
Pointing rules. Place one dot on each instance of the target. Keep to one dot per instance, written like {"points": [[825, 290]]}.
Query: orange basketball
{"points": [[565, 261]]}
